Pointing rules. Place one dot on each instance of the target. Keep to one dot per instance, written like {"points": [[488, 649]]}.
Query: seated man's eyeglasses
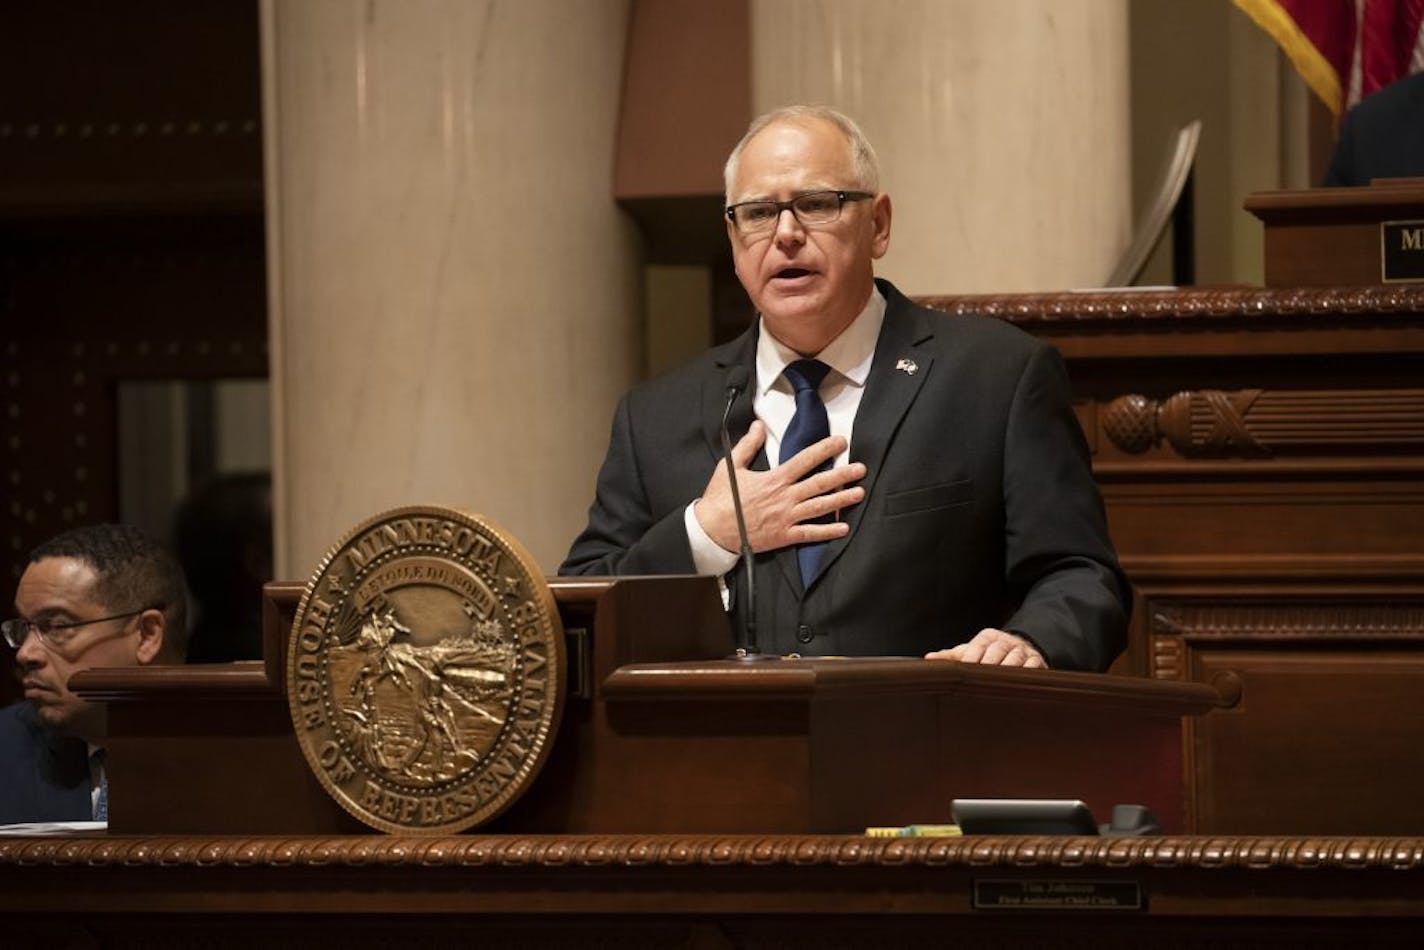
{"points": [[55, 634], [816, 207]]}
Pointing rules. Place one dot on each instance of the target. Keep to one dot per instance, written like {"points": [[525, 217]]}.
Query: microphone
{"points": [[737, 378]]}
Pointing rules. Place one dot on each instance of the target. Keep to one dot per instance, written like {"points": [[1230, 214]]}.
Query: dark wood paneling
{"points": [[131, 237], [1261, 456], [664, 746], [108, 98], [1326, 739]]}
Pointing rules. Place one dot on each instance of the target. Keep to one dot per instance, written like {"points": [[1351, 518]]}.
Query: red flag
{"points": [[1345, 49]]}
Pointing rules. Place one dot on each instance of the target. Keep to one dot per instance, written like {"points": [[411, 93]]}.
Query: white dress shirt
{"points": [[849, 356]]}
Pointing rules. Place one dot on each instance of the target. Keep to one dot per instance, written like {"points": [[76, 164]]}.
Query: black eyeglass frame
{"points": [[790, 205], [44, 628]]}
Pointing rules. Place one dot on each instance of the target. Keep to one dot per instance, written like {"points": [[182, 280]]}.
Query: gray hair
{"points": [[862, 155]]}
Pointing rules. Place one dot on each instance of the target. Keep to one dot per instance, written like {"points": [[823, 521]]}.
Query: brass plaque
{"points": [[426, 671], [1401, 251], [1057, 895]]}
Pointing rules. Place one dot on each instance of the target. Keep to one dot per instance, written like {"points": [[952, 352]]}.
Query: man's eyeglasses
{"points": [[817, 207], [55, 634]]}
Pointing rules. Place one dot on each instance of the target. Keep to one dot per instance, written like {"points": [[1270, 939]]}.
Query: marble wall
{"points": [[454, 294], [1002, 128]]}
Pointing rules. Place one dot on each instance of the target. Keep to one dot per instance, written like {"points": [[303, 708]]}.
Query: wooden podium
{"points": [[1332, 237], [675, 811], [661, 736]]}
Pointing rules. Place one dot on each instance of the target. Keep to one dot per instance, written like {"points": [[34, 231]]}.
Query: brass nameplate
{"points": [[426, 671], [1401, 251], [1057, 895]]}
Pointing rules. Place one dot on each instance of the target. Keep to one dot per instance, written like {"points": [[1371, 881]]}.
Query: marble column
{"points": [[1002, 128], [454, 294]]}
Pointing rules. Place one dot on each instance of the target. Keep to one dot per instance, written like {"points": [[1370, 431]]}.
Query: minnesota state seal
{"points": [[426, 671]]}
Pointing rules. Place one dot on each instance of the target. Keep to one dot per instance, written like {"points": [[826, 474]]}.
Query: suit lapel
{"points": [[739, 352], [897, 372]]}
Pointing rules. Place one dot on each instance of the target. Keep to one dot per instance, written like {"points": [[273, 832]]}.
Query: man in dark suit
{"points": [[1382, 136], [932, 493], [99, 596]]}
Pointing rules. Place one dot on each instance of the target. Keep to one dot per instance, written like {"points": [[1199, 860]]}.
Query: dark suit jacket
{"points": [[980, 506], [1382, 136], [42, 777]]}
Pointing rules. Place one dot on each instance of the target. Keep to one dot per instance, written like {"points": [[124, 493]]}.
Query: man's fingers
{"points": [[816, 531], [818, 506], [970, 652], [748, 445], [812, 457], [1009, 653], [994, 647], [998, 653], [829, 481]]}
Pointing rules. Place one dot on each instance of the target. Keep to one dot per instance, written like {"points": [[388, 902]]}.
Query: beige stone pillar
{"points": [[1002, 128], [454, 295]]}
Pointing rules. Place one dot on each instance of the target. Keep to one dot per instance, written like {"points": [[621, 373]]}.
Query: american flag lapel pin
{"points": [[908, 367]]}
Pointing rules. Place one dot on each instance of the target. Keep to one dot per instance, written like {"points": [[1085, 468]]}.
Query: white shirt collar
{"points": [[849, 354]]}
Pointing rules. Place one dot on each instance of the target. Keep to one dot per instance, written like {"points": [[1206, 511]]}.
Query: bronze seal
{"points": [[426, 671]]}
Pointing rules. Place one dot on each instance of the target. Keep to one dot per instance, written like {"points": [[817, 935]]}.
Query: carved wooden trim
{"points": [[64, 350], [82, 133], [1256, 422], [798, 680], [657, 853], [1403, 569], [1285, 620], [1296, 305], [1167, 658]]}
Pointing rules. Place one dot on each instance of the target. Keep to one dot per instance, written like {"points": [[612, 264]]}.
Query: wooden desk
{"points": [[703, 891], [1261, 455], [663, 745], [1331, 236]]}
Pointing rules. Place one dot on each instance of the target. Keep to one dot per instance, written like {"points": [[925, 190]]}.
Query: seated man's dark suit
{"points": [[43, 777], [980, 506], [1382, 136]]}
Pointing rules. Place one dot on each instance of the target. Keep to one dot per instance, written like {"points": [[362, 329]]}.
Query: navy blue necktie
{"points": [[808, 426]]}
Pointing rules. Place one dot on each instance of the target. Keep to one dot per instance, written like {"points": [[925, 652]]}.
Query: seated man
{"points": [[1382, 136], [914, 483], [106, 595]]}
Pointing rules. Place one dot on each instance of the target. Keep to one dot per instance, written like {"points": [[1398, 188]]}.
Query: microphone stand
{"points": [[749, 649]]}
